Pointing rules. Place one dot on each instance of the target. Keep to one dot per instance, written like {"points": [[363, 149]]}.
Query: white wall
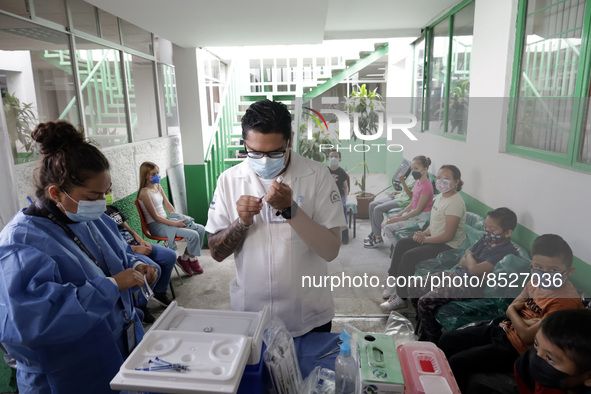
{"points": [[125, 162], [546, 198], [192, 117]]}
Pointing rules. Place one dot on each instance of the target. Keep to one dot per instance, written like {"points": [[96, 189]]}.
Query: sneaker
{"points": [[184, 265], [161, 298], [389, 291], [148, 317], [373, 244], [195, 267], [369, 238], [393, 304]]}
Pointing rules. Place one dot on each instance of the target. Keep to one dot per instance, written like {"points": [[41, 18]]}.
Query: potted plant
{"points": [[311, 148], [20, 120], [367, 105]]}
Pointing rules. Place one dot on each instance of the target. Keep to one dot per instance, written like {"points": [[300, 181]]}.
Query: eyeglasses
{"points": [[254, 154]]}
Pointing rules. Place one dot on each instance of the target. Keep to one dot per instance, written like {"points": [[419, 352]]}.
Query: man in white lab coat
{"points": [[281, 215]]}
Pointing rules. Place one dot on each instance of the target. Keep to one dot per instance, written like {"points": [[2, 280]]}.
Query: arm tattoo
{"points": [[225, 242]]}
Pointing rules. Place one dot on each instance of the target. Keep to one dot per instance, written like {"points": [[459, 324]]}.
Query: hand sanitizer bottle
{"points": [[346, 369]]}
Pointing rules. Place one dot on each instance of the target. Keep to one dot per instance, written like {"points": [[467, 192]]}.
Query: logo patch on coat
{"points": [[335, 197]]}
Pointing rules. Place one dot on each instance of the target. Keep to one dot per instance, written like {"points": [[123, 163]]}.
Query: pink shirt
{"points": [[420, 188]]}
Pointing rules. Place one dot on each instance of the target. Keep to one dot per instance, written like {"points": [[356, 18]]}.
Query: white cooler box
{"points": [[214, 345]]}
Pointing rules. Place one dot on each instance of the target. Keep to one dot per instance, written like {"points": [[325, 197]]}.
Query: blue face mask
{"points": [[548, 280], [266, 167], [155, 179], [491, 238], [87, 210]]}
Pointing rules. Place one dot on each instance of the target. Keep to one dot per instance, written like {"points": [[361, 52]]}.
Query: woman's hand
{"points": [[180, 224], [141, 249], [128, 279], [149, 271]]}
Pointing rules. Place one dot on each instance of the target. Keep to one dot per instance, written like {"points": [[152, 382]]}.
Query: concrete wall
{"points": [[125, 162], [546, 198]]}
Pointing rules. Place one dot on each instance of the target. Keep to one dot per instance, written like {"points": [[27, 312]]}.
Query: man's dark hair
{"points": [[506, 217], [334, 150], [552, 245], [266, 117], [569, 330]]}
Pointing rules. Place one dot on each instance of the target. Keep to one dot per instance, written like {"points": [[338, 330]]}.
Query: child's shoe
{"points": [[184, 265], [195, 267], [393, 303]]}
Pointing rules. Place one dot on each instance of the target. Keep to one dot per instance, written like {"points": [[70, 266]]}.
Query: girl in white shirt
{"points": [[153, 201]]}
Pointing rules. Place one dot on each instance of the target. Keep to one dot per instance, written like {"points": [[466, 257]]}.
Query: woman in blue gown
{"points": [[66, 278]]}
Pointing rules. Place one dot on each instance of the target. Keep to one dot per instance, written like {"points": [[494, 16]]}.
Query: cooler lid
{"points": [[214, 361], [177, 318]]}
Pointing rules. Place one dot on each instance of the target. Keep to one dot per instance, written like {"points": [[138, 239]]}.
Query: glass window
{"points": [[109, 26], [36, 81], [586, 148], [102, 92], [419, 54], [136, 38], [142, 97], [461, 51], [52, 10], [17, 7], [548, 75], [168, 99], [438, 77], [84, 16]]}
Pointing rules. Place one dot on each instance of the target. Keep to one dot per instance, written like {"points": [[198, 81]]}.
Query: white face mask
{"points": [[87, 210], [266, 167], [334, 161]]}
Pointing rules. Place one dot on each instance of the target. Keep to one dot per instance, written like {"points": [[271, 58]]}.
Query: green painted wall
{"points": [[198, 191], [525, 238]]}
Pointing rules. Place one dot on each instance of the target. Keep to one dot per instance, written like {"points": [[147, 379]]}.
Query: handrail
{"points": [[85, 83], [223, 103], [346, 73]]}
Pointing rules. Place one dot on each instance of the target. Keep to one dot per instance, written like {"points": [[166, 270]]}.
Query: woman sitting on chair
{"points": [[152, 201]]}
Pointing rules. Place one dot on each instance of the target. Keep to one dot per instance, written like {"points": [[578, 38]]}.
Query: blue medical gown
{"points": [[59, 315]]}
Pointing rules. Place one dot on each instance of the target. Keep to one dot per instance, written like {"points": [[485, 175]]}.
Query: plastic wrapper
{"points": [[456, 314], [320, 381], [353, 331], [400, 328], [281, 359]]}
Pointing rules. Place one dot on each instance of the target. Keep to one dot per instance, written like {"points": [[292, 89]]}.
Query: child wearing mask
{"points": [[152, 202], [446, 231], [559, 361], [159, 256], [343, 182], [421, 202], [495, 347], [481, 259]]}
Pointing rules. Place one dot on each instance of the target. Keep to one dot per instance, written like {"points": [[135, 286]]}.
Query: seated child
{"points": [[495, 347], [560, 360], [494, 245], [152, 201], [159, 256], [396, 227], [343, 182]]}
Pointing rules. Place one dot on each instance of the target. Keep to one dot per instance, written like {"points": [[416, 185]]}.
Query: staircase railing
{"points": [[217, 151]]}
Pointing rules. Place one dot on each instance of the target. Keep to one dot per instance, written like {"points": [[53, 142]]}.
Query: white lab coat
{"points": [[272, 259]]}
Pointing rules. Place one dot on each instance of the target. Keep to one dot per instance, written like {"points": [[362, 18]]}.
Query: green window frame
{"points": [[444, 105], [549, 119]]}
